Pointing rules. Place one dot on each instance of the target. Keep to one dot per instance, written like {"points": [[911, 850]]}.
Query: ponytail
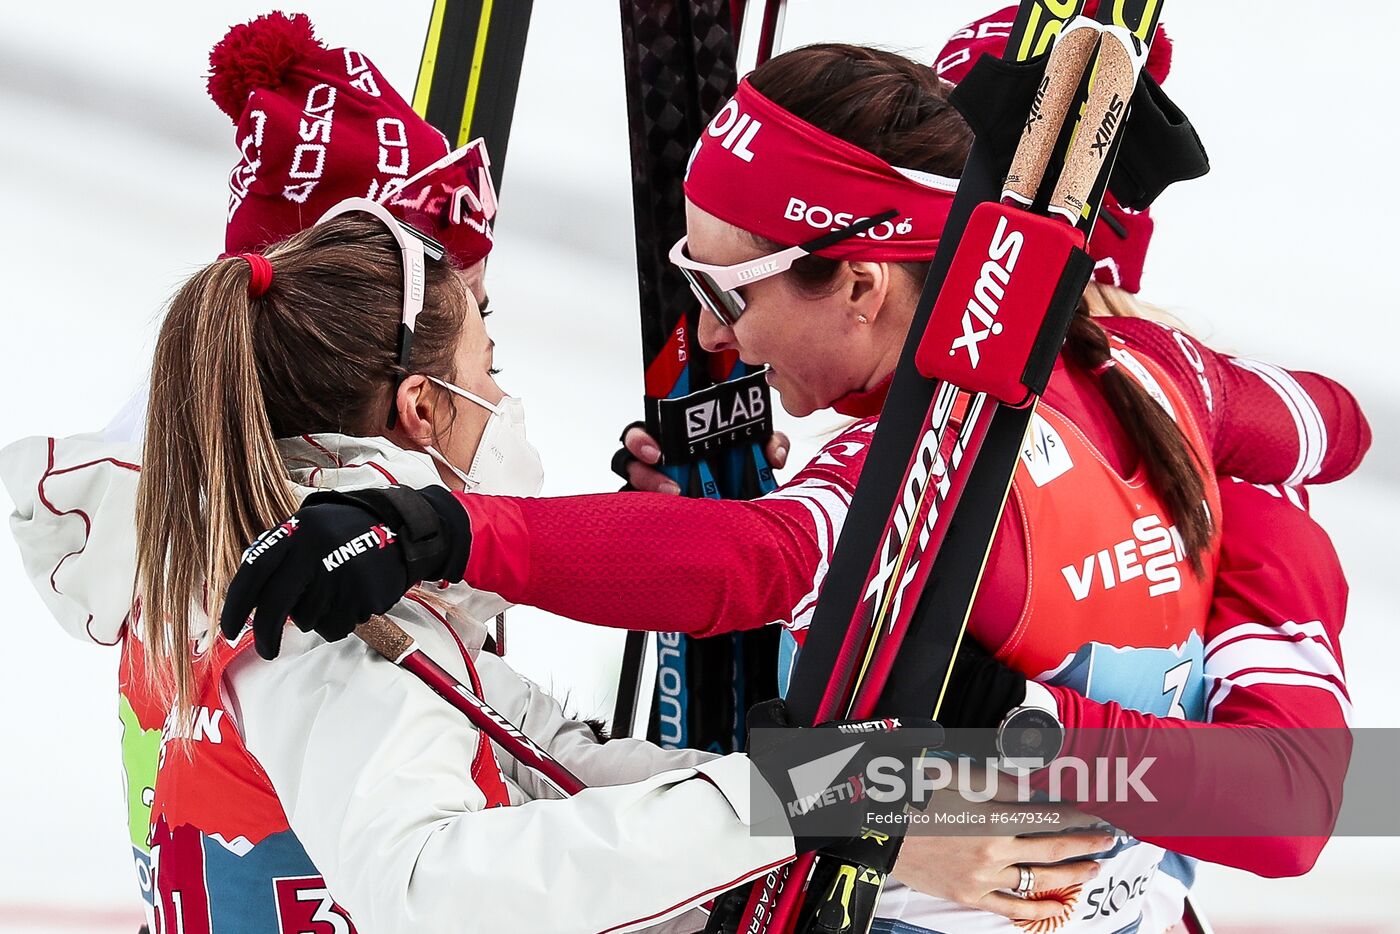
{"points": [[1173, 466], [313, 351], [211, 476]]}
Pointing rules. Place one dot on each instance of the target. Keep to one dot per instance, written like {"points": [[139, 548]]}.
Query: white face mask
{"points": [[506, 464]]}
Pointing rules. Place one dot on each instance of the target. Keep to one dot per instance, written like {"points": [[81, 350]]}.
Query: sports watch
{"points": [[1030, 735]]}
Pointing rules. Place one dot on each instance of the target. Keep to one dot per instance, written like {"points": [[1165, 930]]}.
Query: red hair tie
{"points": [[261, 279], [1104, 367]]}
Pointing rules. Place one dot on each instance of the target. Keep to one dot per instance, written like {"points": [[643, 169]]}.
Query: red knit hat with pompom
{"points": [[1119, 243], [317, 126]]}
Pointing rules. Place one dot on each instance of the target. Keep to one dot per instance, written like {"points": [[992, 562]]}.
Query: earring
{"points": [[862, 319]]}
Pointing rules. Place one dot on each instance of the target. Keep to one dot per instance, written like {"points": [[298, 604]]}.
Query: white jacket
{"points": [[374, 771]]}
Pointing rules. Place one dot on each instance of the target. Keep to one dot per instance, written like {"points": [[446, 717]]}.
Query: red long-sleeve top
{"points": [[652, 562]]}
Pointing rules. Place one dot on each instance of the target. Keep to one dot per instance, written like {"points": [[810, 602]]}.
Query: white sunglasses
{"points": [[717, 287], [414, 248], [420, 192]]}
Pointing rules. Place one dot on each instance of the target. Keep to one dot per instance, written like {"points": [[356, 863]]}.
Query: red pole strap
{"points": [[390, 641]]}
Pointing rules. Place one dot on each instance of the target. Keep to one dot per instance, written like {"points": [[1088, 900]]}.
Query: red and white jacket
{"points": [[329, 785]]}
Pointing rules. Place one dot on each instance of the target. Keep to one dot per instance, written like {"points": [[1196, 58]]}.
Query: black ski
{"points": [[470, 72], [679, 59], [897, 503]]}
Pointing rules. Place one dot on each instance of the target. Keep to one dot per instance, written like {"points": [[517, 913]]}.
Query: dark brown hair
{"points": [[882, 102], [231, 374], [897, 109]]}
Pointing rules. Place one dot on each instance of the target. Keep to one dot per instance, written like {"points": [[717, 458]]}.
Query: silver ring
{"points": [[1027, 885]]}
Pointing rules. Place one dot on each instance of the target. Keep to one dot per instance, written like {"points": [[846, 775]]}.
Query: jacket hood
{"points": [[75, 514]]}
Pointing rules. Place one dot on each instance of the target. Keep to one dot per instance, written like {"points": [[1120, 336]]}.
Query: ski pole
{"points": [[391, 641], [1116, 60]]}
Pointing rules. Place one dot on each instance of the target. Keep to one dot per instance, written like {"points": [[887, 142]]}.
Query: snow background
{"points": [[112, 169]]}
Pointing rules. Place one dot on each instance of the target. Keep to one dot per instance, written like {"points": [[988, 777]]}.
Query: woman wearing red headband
{"points": [[816, 141], [826, 348]]}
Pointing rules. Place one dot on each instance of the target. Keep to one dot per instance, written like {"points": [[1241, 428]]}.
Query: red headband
{"points": [[259, 274], [773, 174]]}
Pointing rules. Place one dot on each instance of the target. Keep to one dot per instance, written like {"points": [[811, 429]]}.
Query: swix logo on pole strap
{"points": [[994, 300], [380, 536], [982, 307]]}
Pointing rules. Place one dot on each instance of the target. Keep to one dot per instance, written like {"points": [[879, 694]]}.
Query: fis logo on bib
{"points": [[379, 536], [979, 320], [1044, 454]]}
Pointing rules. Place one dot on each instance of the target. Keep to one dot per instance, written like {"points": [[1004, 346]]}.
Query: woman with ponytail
{"points": [[75, 496], [1120, 556], [332, 785], [217, 467]]}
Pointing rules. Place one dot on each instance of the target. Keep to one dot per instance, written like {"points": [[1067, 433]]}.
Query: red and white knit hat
{"points": [[317, 126], [1119, 243]]}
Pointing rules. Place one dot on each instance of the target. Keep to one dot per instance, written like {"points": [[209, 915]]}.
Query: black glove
{"points": [[774, 715], [623, 458], [834, 895], [344, 557]]}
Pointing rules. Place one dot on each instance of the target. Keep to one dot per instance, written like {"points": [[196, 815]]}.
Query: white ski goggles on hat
{"points": [[717, 287], [415, 248], [456, 189]]}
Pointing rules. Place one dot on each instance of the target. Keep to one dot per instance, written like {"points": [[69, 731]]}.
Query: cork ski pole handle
{"points": [[1059, 87], [1116, 68]]}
